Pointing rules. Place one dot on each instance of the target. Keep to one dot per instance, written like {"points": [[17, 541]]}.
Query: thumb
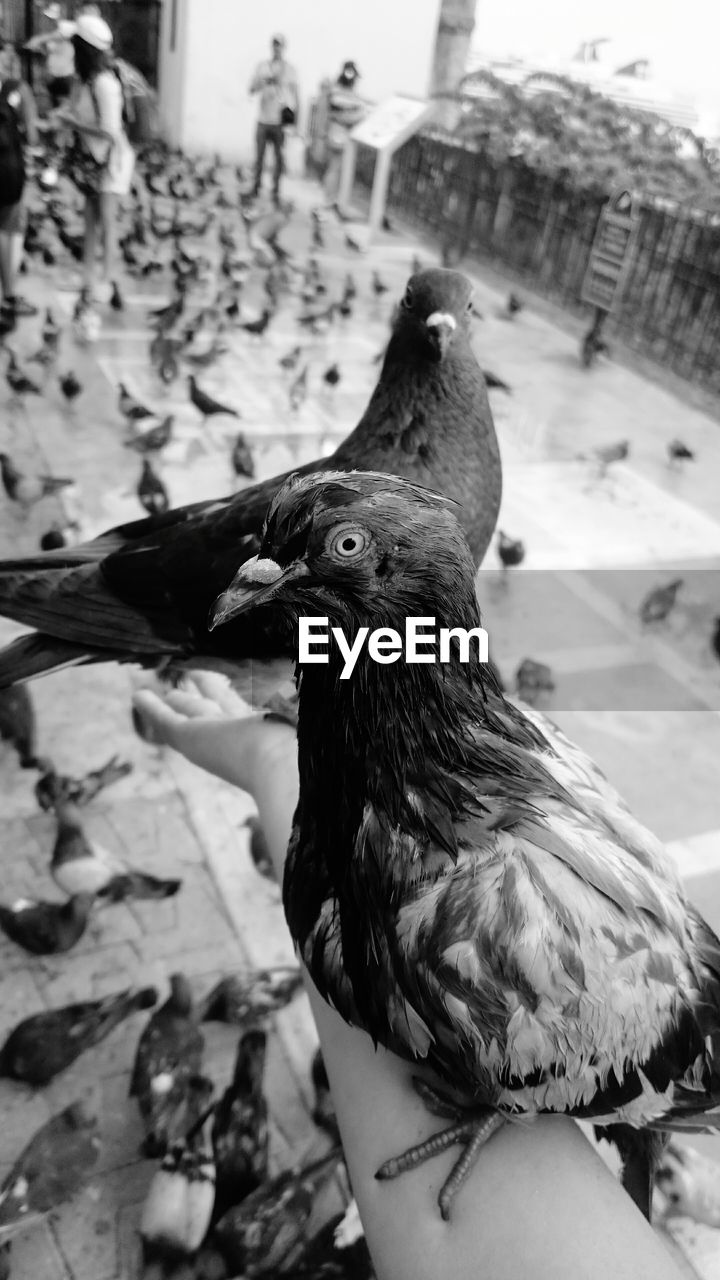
{"points": [[154, 719]]}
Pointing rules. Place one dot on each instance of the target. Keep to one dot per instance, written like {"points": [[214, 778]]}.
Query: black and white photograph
{"points": [[359, 640]]}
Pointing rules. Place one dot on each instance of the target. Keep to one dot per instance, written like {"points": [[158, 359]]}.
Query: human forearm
{"points": [[92, 130]]}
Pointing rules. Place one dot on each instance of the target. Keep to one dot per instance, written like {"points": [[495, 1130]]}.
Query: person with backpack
{"points": [[101, 160], [18, 127]]}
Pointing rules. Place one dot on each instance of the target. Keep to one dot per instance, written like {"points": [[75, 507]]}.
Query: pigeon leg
{"points": [[471, 1127]]}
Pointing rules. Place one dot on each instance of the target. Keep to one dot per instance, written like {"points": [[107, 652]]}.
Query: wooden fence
{"points": [[543, 231]]}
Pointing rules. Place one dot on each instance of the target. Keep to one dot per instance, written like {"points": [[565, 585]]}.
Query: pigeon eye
{"points": [[348, 544], [407, 301]]}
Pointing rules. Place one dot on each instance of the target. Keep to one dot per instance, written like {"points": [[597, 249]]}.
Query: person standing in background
{"points": [[276, 82], [95, 114], [18, 129], [344, 109]]}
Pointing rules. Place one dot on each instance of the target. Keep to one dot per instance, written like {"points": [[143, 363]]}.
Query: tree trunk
{"points": [[452, 46]]}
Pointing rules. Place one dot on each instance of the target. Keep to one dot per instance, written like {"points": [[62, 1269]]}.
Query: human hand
{"points": [[214, 728]]}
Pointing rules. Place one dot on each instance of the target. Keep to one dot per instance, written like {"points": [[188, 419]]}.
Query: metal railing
{"points": [[543, 230]]}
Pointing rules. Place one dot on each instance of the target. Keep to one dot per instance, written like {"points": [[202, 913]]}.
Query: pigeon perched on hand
{"points": [[142, 592], [462, 882]]}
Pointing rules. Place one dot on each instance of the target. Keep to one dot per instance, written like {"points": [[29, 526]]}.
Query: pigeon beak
{"points": [[257, 582], [441, 326]]}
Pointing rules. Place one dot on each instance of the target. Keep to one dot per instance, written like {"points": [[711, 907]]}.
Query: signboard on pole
{"points": [[610, 254], [385, 128]]}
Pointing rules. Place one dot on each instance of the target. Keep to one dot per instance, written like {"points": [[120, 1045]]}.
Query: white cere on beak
{"points": [[439, 318], [261, 571], [162, 1083]]}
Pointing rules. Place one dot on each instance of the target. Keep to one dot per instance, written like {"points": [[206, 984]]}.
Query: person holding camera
{"points": [[276, 83]]}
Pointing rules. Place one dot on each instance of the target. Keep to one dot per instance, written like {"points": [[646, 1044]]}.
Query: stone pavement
{"points": [[645, 705]]}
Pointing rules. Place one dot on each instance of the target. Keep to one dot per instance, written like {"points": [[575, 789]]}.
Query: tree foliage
{"points": [[567, 131]]}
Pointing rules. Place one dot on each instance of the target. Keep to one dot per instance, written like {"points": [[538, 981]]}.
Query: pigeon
{"points": [[259, 851], [533, 680], [20, 384], [679, 452], [139, 885], [42, 1046], [151, 491], [660, 602], [27, 490], [244, 1000], [153, 439], [51, 330], [18, 723], [71, 386], [689, 1183], [323, 1112], [241, 457], [289, 362], [495, 383], [59, 536], [179, 1203], [240, 1133], [606, 455], [53, 789], [378, 286], [257, 327], [511, 551], [462, 882], [142, 592], [130, 408], [56, 1163], [298, 389], [261, 1235], [82, 866], [205, 403], [169, 1055], [47, 928]]}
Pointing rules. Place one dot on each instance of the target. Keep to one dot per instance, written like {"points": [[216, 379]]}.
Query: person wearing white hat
{"points": [[95, 113]]}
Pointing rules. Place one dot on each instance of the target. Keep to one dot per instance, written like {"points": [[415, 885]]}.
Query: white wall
{"points": [[221, 41]]}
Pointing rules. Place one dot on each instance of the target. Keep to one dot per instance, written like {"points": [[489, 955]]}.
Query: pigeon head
{"points": [[360, 548], [434, 311]]}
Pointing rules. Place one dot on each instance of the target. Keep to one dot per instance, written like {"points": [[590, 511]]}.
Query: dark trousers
{"points": [[272, 134]]}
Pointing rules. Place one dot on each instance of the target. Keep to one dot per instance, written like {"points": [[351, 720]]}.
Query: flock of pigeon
{"points": [[212, 1210]]}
